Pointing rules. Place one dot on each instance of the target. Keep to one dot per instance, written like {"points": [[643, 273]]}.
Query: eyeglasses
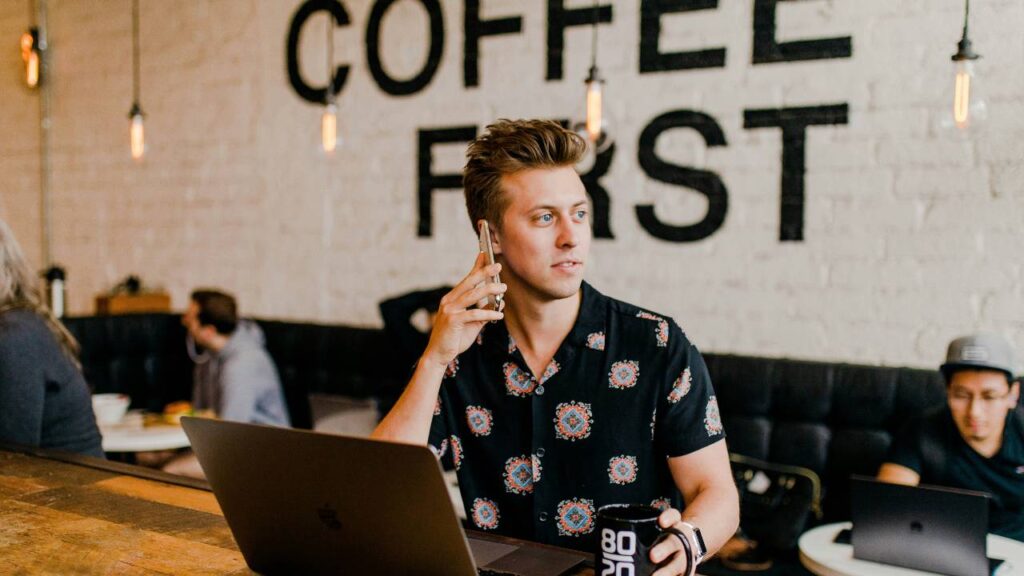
{"points": [[962, 398]]}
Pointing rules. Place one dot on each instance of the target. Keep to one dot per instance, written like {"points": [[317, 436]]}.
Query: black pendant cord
{"points": [[330, 59], [593, 38], [136, 84], [964, 48], [967, 16]]}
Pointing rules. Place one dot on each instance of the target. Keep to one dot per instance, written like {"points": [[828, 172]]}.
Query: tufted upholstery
{"points": [[140, 355], [836, 419], [144, 356]]}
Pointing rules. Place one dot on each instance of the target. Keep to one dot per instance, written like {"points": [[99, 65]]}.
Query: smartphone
{"points": [[492, 302]]}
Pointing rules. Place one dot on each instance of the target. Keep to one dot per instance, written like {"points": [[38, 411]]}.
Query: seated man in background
{"points": [[976, 441], [235, 376]]}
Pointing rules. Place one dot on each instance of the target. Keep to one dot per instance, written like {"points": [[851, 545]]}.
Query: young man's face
{"points": [[979, 400], [544, 235]]}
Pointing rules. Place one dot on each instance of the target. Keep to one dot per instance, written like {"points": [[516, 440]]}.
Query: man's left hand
{"points": [[672, 546]]}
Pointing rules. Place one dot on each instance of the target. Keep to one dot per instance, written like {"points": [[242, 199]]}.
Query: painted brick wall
{"points": [[911, 235]]}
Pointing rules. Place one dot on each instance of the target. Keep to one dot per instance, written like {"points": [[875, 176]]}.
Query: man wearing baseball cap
{"points": [[976, 441]]}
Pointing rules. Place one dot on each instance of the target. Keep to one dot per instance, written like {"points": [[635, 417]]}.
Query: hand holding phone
{"points": [[495, 302]]}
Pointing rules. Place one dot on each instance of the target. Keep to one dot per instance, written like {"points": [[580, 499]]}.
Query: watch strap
{"points": [[700, 549]]}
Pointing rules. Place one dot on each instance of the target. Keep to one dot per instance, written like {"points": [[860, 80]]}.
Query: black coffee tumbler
{"points": [[626, 533]]}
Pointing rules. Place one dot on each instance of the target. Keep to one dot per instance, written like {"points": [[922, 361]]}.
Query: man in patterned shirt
{"points": [[567, 400]]}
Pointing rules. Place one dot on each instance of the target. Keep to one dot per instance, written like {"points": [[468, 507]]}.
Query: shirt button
{"points": [[540, 452], [543, 517], [539, 390]]}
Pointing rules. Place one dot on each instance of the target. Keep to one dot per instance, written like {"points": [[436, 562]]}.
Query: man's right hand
{"points": [[458, 319]]}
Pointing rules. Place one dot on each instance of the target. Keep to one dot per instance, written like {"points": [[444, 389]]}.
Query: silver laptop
{"points": [[927, 528], [300, 502]]}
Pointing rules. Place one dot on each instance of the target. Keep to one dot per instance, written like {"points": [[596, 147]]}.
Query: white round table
{"points": [[821, 555], [130, 435]]}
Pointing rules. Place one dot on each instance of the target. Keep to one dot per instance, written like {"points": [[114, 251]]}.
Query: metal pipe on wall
{"points": [[45, 92]]}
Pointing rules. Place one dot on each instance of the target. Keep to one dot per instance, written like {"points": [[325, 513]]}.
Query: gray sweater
{"points": [[44, 401], [240, 382]]}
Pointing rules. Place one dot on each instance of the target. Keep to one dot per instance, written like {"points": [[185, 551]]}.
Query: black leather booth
{"points": [[836, 419], [144, 356]]}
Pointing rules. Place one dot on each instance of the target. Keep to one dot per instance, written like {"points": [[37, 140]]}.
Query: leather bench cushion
{"points": [[140, 355]]}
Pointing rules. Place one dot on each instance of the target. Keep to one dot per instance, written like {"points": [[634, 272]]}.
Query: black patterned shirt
{"points": [[536, 456]]}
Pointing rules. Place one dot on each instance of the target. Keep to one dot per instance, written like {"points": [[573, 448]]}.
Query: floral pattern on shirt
{"points": [[622, 469], [573, 420], [456, 445], [550, 371], [485, 514], [661, 503], [519, 475], [518, 382], [479, 420], [452, 369], [624, 374], [575, 517], [661, 331], [712, 418], [681, 387]]}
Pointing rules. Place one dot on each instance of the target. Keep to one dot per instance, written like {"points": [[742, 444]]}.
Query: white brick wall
{"points": [[911, 236]]}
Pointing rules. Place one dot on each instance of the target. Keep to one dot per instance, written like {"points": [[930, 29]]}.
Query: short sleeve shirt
{"points": [[537, 454], [1002, 475]]}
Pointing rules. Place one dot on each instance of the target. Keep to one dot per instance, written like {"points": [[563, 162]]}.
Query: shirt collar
{"points": [[592, 317]]}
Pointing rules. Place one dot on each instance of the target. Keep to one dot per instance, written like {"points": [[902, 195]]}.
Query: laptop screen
{"points": [[928, 528]]}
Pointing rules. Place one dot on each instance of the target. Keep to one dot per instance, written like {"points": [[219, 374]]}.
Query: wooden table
{"points": [[66, 514]]}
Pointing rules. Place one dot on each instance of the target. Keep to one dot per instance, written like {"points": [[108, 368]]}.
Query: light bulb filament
{"points": [[329, 129], [962, 99], [138, 134], [32, 69], [30, 54], [594, 110]]}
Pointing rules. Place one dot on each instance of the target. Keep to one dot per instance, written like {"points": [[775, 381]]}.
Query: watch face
{"points": [[702, 549]]}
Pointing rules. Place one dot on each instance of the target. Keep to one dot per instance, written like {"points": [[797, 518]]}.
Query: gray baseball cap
{"points": [[986, 351]]}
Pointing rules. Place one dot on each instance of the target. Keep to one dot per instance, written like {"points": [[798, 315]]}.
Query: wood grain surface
{"points": [[73, 515], [65, 518]]}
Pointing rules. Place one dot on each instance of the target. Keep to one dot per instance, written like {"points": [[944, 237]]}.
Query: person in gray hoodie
{"points": [[234, 377]]}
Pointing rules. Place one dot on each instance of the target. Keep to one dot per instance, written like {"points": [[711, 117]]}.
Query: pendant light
{"points": [[30, 54], [329, 120], [31, 50], [595, 127], [137, 129], [969, 108]]}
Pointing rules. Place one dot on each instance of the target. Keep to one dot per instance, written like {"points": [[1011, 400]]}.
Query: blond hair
{"points": [[18, 289], [507, 147]]}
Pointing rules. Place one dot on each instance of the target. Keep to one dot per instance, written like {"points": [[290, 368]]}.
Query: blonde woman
{"points": [[44, 400]]}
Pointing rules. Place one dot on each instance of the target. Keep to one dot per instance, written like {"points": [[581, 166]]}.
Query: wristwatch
{"points": [[700, 550]]}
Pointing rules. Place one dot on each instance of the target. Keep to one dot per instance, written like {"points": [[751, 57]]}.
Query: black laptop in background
{"points": [[929, 528]]}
